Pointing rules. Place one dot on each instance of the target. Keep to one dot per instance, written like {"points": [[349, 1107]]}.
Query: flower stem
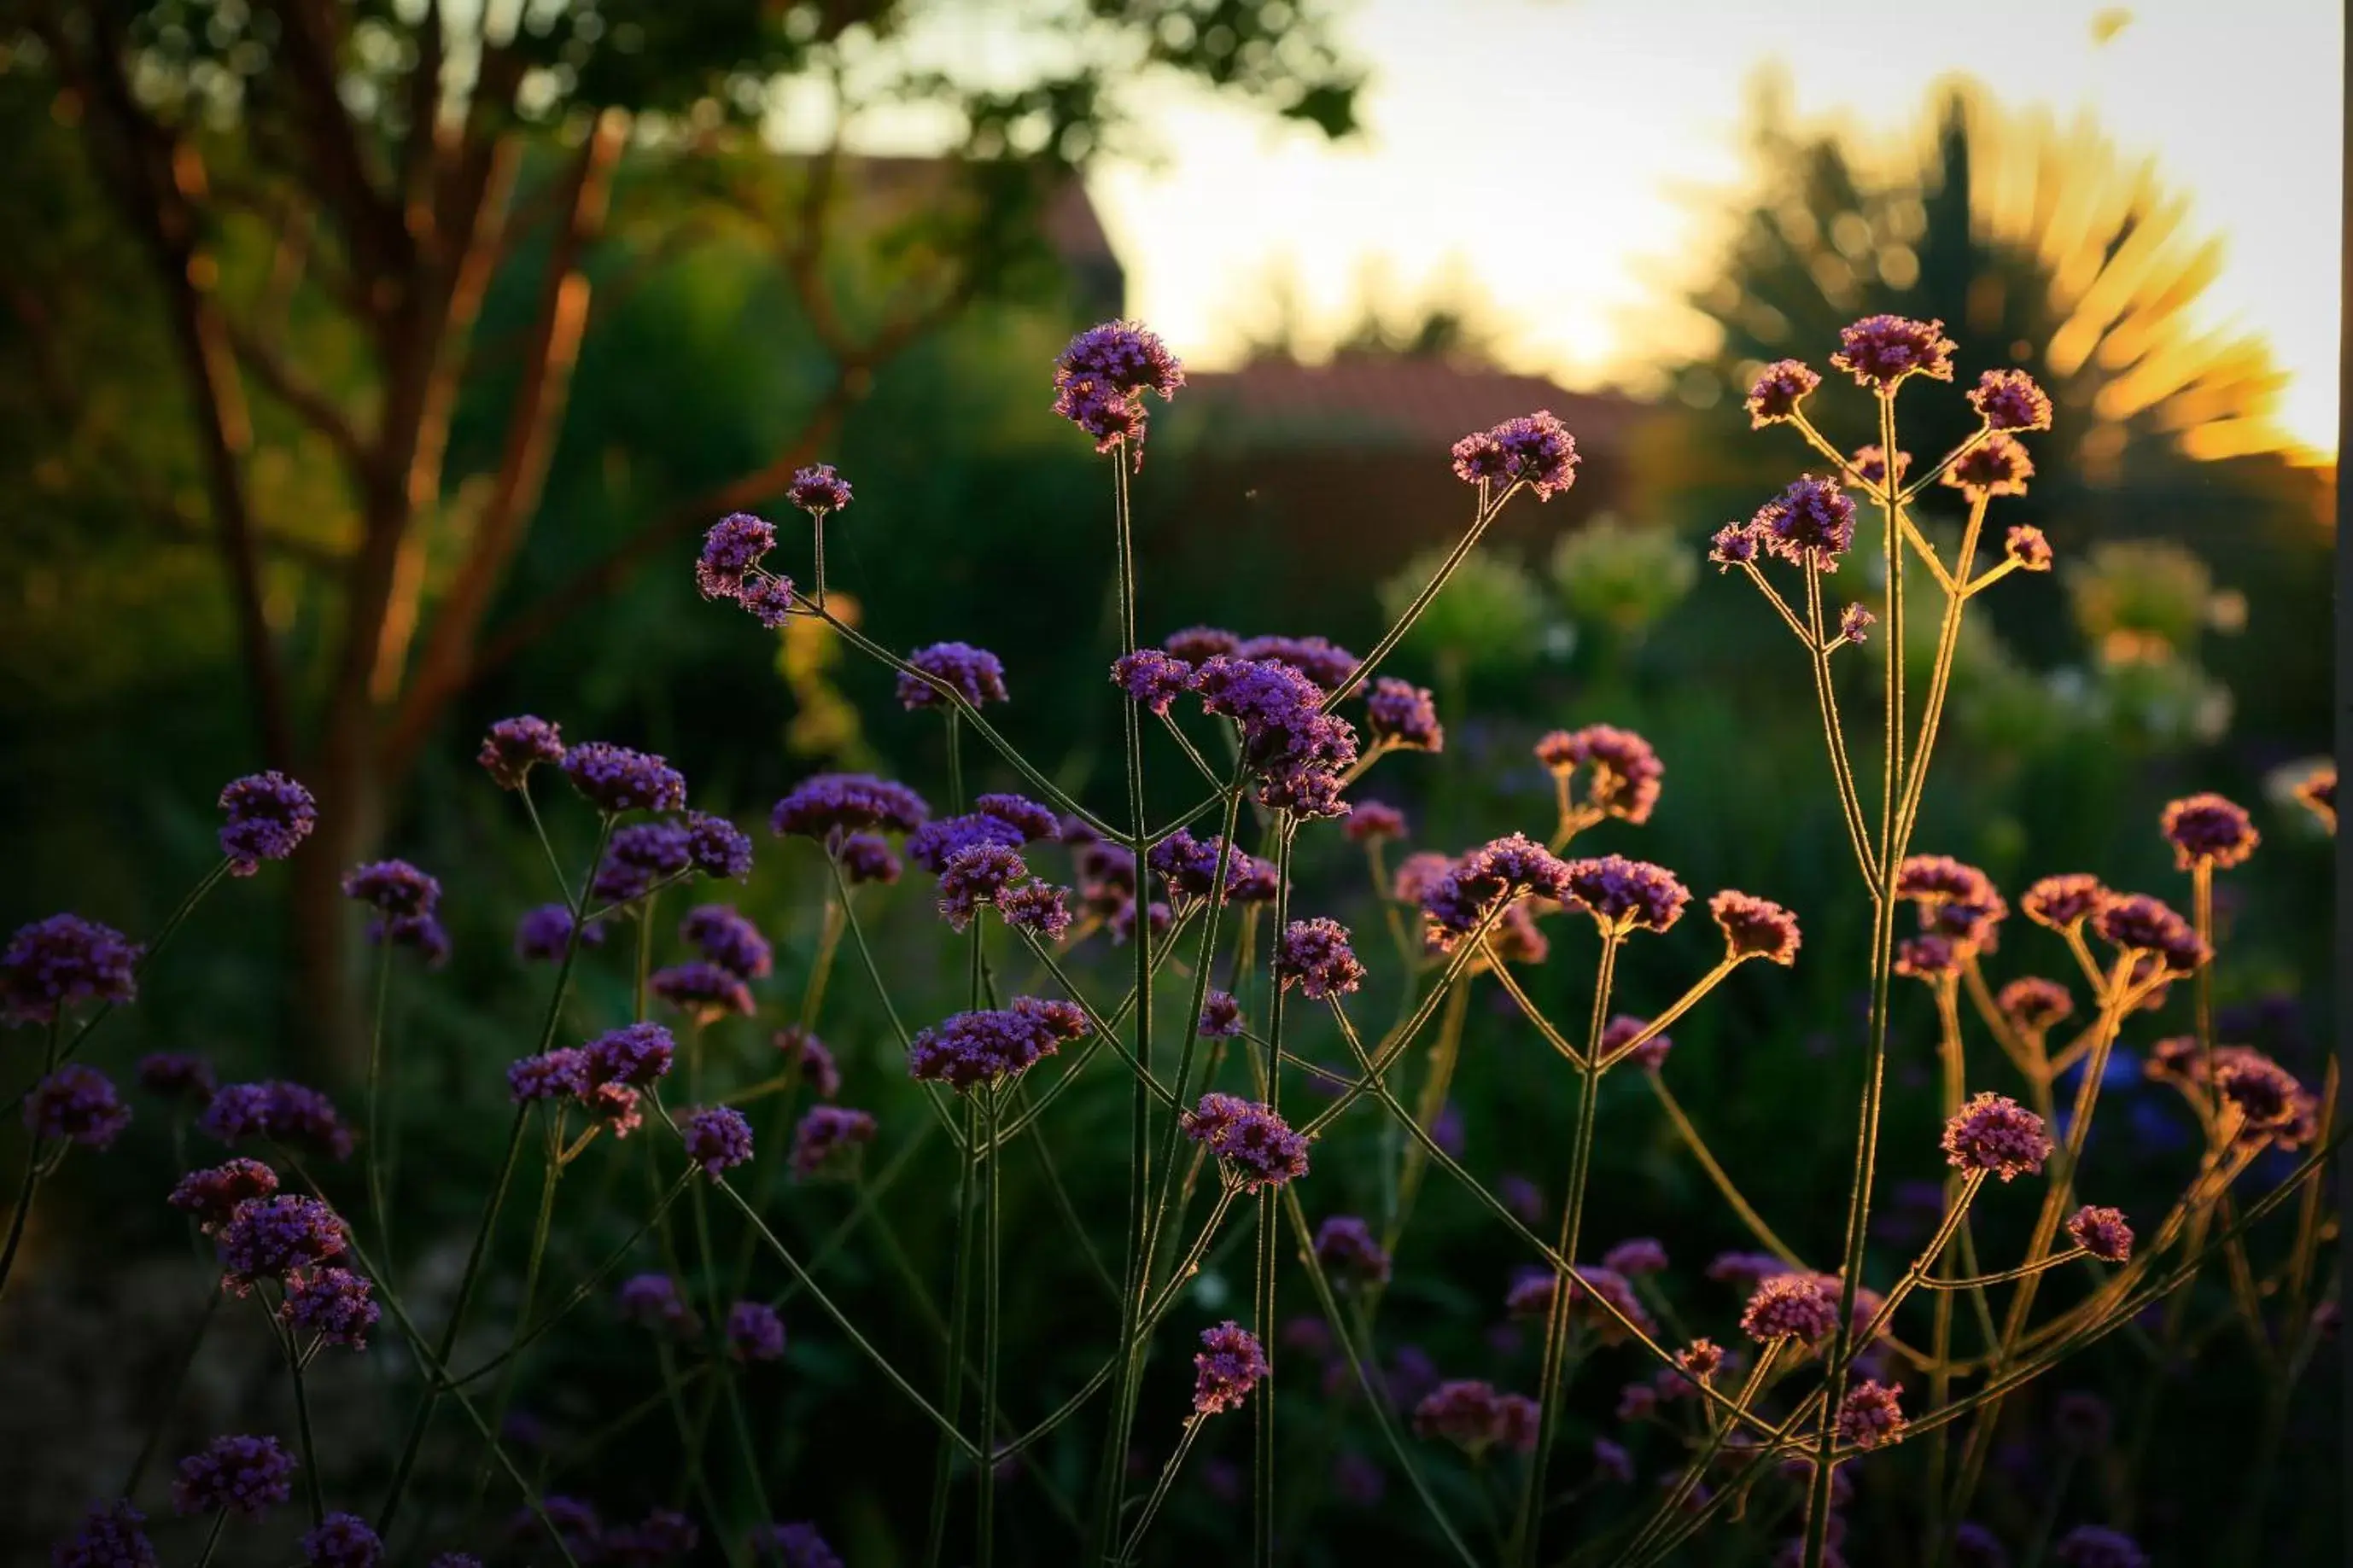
{"points": [[991, 1323], [960, 1311], [154, 1438], [378, 1210]]}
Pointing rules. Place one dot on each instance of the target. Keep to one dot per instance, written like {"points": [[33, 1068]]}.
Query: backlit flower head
{"points": [[2025, 544], [1374, 819], [1036, 905], [2064, 900], [1754, 927], [819, 1070], [1809, 523], [614, 779], [717, 1138], [728, 940], [2267, 1096], [1930, 957], [1221, 1016], [972, 673], [1195, 645], [177, 1075], [2211, 828], [1228, 1364], [866, 858], [56, 964], [512, 747], [558, 1074], [1734, 544], [827, 1140], [1345, 1244], [2135, 923], [1317, 955], [1401, 714], [1623, 773], [975, 875], [635, 1054], [817, 489], [2009, 399], [1778, 389], [1625, 895], [266, 1239], [940, 841], [210, 1196], [1455, 901], [992, 1045], [1624, 1028], [1997, 466], [1791, 1306], [268, 816], [640, 857], [1257, 1147], [768, 600], [277, 1111], [233, 1473], [717, 847], [1871, 1415], [1869, 465], [1320, 659], [330, 1306], [2102, 1232], [1955, 899], [1417, 876], [2034, 1004], [542, 935], [1701, 1358], [1535, 449], [733, 548], [703, 991], [824, 804], [78, 1104], [1152, 678], [1855, 624], [1881, 351], [1637, 1255], [754, 1332], [1296, 749], [1993, 1133], [617, 1106]]}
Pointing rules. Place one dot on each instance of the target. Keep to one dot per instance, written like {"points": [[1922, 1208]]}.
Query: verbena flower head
{"points": [[825, 1142], [2102, 1232], [542, 935], [278, 1111], [1373, 819], [1881, 351], [1403, 715], [1228, 1366], [1789, 1305], [112, 1536], [614, 779], [975, 875], [1871, 1414], [639, 857], [2211, 828], [1625, 895], [817, 489], [1996, 465], [866, 858], [1994, 1133], [1221, 1016], [2009, 399], [1101, 379], [2064, 900], [1345, 1244], [1315, 954], [1195, 645], [1869, 465], [1624, 1028], [1535, 449], [734, 548], [178, 1074], [635, 1054], [1258, 1148], [558, 1074], [1592, 1285], [704, 992], [2268, 1097], [233, 1473], [330, 1306], [1701, 1358], [1734, 544], [975, 674], [1320, 659], [1035, 906], [342, 1540], [2097, 1546], [717, 1138], [1419, 876], [393, 888], [1811, 523], [1754, 927], [1957, 901], [268, 816], [754, 1332], [58, 963], [653, 1301], [210, 1196], [2025, 544], [268, 1238], [1778, 389], [1624, 773], [1930, 957], [1637, 1255], [717, 847], [1470, 1414], [2033, 1004], [2135, 923], [1035, 823], [1152, 678], [1456, 899], [512, 747], [79, 1103], [992, 1045], [936, 843], [1855, 624], [728, 940], [831, 802], [768, 600], [1296, 751], [795, 1545]]}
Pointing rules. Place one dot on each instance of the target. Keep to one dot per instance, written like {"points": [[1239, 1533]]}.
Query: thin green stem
{"points": [[959, 1313], [1489, 508], [991, 1321], [378, 1210]]}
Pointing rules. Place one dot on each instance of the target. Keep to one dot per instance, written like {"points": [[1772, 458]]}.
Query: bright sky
{"points": [[1537, 148]]}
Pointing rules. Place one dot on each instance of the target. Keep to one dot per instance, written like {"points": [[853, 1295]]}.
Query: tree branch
{"points": [[316, 408]]}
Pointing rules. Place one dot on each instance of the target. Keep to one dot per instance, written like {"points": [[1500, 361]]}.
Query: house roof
{"points": [[1381, 398]]}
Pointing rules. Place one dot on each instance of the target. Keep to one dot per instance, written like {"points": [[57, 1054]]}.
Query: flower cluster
{"points": [[1871, 1415], [268, 816], [1470, 1414], [512, 747], [2102, 1232], [1227, 1367], [1296, 751], [1997, 466], [1624, 773], [233, 1473], [827, 806], [1880, 352], [1403, 716], [1101, 379], [1257, 1148], [1314, 955], [754, 1332], [210, 1196], [2210, 829], [1789, 1305], [1345, 1244], [2137, 923], [330, 1306], [78, 1104], [717, 1138], [1456, 896], [827, 1139], [1624, 895], [280, 1113], [1811, 523], [972, 673], [614, 779], [1995, 1133], [2009, 399], [994, 1044], [269, 1238], [1152, 679], [1535, 449], [1775, 395], [56, 964], [404, 899]]}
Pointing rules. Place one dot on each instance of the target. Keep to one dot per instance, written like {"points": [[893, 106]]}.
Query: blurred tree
{"points": [[325, 191]]}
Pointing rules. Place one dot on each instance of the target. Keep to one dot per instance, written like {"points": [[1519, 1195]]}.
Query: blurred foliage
{"points": [[1490, 615], [1620, 576]]}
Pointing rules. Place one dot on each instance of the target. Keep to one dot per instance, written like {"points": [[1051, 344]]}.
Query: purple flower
{"points": [[395, 889], [1035, 823], [1734, 544], [1625, 771], [1869, 465], [79, 1103], [1472, 887], [727, 940], [973, 875], [268, 1238], [1035, 906], [1754, 927], [718, 848], [2268, 1097], [829, 803], [559, 1074], [2025, 544], [1195, 645], [754, 1332], [768, 600], [866, 858], [2211, 828], [2096, 1546], [827, 1138], [1320, 659], [614, 779], [639, 857], [1855, 624], [279, 1111], [1928, 957], [1297, 752], [1640, 1255], [975, 674], [1592, 1284], [636, 1055], [176, 1074], [211, 1195], [1879, 352], [268, 816], [1221, 1016], [1228, 1366], [1345, 1244], [1315, 953], [1994, 1133], [54, 963], [514, 746], [817, 489], [1996, 465], [1258, 1148], [2135, 923], [1701, 1358], [1956, 901], [992, 1045], [1152, 678], [1809, 524], [717, 1138], [1774, 396], [236, 1475], [795, 1545], [664, 1535], [1374, 819], [935, 844], [1612, 1463], [543, 933], [2033, 1004], [1101, 379], [734, 546], [2009, 399], [334, 1306], [2064, 900], [343, 1541], [818, 1069], [1789, 1305], [652, 1301], [1401, 714], [1534, 449], [1871, 1414], [1625, 895], [1470, 1414], [423, 934], [570, 1520], [112, 1536]]}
